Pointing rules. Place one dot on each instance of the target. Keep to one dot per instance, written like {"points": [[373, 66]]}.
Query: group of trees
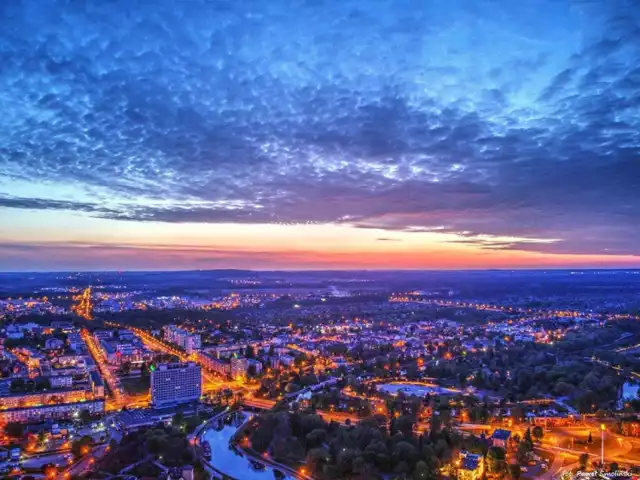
{"points": [[332, 399], [14, 430], [166, 443], [376, 447], [187, 424], [81, 446], [535, 370], [517, 370], [22, 385], [364, 451], [286, 382], [153, 318], [524, 448], [33, 340]]}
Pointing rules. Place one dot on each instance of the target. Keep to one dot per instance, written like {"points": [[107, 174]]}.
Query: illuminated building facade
{"points": [[176, 383], [46, 412], [239, 367], [190, 342], [471, 466]]}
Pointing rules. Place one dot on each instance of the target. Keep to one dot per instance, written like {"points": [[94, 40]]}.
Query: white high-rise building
{"points": [[175, 383]]}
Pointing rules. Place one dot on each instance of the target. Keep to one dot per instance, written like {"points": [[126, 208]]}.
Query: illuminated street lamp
{"points": [[602, 429]]}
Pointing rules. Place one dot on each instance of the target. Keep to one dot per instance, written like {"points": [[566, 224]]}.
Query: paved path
{"points": [[554, 469]]}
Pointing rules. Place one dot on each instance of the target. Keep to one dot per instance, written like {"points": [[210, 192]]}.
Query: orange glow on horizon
{"points": [[155, 246]]}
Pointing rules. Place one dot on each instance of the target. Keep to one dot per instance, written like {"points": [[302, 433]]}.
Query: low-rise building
{"points": [[287, 360], [53, 344], [500, 438], [630, 428], [471, 466], [61, 381], [75, 341], [53, 411]]}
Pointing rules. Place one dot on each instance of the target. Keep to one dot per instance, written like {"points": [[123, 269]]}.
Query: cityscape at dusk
{"points": [[319, 239]]}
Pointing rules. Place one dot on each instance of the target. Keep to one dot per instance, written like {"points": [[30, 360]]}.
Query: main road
{"points": [[119, 397], [210, 382]]}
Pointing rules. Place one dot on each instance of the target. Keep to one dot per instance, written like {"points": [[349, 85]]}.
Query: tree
{"points": [[404, 451], [405, 425], [17, 384], [316, 437], [515, 471], [344, 461], [583, 461], [376, 453], [309, 379], [496, 460], [42, 383], [85, 415], [317, 458], [362, 468], [524, 451], [538, 433], [423, 471], [434, 425], [442, 450], [263, 435], [50, 470], [402, 467], [125, 368], [82, 446], [178, 419], [14, 430], [527, 436], [199, 472]]}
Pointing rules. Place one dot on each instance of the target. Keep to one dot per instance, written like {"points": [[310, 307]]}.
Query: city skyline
{"points": [[289, 135]]}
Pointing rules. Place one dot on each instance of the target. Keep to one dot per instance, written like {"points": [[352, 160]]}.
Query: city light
{"points": [[84, 305]]}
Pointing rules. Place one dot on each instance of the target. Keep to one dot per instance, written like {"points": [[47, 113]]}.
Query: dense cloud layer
{"points": [[484, 118]]}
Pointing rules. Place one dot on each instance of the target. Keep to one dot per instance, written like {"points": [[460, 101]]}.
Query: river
{"points": [[228, 460]]}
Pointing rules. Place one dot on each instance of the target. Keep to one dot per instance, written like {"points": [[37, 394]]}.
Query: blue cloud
{"points": [[494, 117]]}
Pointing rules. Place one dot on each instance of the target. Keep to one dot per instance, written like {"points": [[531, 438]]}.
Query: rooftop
{"points": [[501, 434]]}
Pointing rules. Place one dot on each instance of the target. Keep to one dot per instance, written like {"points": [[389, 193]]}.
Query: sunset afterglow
{"points": [[342, 135]]}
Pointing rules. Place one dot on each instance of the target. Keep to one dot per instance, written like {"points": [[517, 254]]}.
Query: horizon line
{"points": [[346, 270]]}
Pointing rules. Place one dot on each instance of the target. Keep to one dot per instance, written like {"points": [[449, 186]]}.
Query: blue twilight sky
{"points": [[299, 133]]}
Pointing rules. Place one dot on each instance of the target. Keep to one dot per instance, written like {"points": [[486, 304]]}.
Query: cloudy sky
{"points": [[145, 134]]}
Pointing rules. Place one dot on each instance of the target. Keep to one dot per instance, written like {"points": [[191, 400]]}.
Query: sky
{"points": [[311, 134]]}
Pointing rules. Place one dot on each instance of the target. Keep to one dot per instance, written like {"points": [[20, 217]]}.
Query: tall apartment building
{"points": [[221, 367], [175, 383], [188, 341], [239, 367]]}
